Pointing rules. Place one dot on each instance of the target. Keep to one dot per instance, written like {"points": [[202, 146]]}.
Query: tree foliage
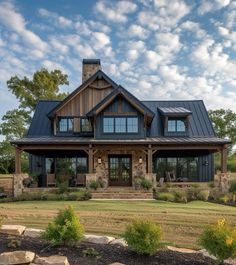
{"points": [[224, 123]]}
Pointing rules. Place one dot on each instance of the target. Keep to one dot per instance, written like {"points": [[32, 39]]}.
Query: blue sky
{"points": [[159, 49]]}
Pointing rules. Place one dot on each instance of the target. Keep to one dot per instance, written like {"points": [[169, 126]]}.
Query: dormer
{"points": [[175, 121]]}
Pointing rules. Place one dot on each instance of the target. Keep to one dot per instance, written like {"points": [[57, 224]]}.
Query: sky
{"points": [[156, 49]]}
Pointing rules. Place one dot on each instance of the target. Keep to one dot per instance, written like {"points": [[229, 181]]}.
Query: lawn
{"points": [[182, 223]]}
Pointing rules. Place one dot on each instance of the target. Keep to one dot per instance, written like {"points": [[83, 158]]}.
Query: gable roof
{"points": [[174, 111], [98, 74], [127, 95], [200, 124], [40, 124]]}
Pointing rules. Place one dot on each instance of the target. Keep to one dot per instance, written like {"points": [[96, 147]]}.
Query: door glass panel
{"points": [[114, 168], [82, 165], [125, 168]]}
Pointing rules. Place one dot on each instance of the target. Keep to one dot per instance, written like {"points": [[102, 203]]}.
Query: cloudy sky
{"points": [[163, 49]]}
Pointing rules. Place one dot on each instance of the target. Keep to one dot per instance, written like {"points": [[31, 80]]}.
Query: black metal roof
{"points": [[91, 61], [154, 140], [174, 111], [200, 124]]}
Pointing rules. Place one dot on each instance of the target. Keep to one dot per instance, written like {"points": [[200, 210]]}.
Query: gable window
{"points": [[176, 125], [85, 125], [65, 124], [132, 125], [108, 125], [120, 124]]}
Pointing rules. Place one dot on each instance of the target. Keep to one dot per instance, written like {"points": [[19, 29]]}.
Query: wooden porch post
{"points": [[18, 160], [149, 169], [224, 159], [90, 155]]}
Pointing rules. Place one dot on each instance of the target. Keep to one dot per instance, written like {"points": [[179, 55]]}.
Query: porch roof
{"points": [[149, 140]]}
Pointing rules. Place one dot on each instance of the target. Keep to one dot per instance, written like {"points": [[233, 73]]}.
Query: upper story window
{"points": [[85, 125], [176, 125], [65, 124], [120, 124]]}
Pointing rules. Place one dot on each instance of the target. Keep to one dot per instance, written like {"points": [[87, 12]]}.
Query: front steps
{"points": [[122, 193]]}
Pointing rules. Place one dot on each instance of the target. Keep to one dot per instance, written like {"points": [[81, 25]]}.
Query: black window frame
{"points": [[176, 127], [126, 125], [67, 124]]}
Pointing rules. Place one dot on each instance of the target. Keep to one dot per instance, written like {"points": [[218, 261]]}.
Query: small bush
{"points": [[211, 184], [94, 184], [65, 228], [195, 185], [165, 196], [81, 195], [146, 184], [63, 187], [13, 243], [90, 252], [220, 240], [143, 236], [192, 193], [233, 186], [203, 195], [224, 199], [180, 196]]}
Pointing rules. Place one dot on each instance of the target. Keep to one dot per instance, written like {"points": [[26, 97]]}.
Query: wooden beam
{"points": [[224, 159], [18, 160], [149, 168], [90, 156]]}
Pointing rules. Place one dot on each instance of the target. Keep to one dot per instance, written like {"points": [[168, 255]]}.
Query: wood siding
{"points": [[85, 100]]}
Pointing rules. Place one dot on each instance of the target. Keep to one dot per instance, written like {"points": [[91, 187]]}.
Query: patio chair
{"points": [[170, 176], [51, 180], [81, 180]]}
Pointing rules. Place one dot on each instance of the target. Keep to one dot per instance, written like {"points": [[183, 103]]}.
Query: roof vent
{"points": [[90, 67]]}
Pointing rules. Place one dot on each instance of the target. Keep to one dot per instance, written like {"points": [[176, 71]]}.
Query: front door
{"points": [[120, 170]]}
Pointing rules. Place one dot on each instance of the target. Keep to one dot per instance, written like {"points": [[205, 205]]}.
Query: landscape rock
{"points": [[33, 232], [52, 260], [205, 253], [15, 230], [119, 242], [16, 257], [182, 250], [98, 239], [117, 263]]}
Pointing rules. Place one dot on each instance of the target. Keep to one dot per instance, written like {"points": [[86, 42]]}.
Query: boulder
{"points": [[52, 260], [33, 232], [119, 242], [182, 250], [16, 257], [98, 239], [15, 230]]}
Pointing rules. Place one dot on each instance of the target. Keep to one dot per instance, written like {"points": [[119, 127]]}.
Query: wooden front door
{"points": [[120, 170]]}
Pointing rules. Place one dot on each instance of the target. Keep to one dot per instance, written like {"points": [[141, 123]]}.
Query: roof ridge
{"points": [[172, 100]]}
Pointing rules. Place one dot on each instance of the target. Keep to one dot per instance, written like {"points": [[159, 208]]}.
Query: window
{"points": [[65, 124], [176, 125], [81, 165], [120, 124], [132, 125], [108, 125], [85, 125]]}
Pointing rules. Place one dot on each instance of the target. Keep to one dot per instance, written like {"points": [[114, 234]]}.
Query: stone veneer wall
{"points": [[138, 170], [18, 183]]}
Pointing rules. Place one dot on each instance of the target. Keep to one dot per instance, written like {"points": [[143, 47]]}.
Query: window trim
{"points": [[67, 118], [126, 125]]}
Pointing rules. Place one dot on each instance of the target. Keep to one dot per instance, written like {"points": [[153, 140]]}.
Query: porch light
{"points": [[99, 160], [140, 160]]}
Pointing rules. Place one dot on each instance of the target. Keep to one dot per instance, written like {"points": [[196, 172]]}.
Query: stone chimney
{"points": [[90, 67]]}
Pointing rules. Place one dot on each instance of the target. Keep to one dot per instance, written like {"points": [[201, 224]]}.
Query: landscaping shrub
{"points": [[211, 184], [90, 252], [195, 185], [81, 195], [65, 228], [224, 199], [220, 240], [62, 186], [146, 184], [180, 196], [94, 184], [143, 236], [203, 195], [165, 196], [192, 193], [233, 186]]}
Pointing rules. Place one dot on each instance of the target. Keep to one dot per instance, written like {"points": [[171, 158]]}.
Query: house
{"points": [[102, 131]]}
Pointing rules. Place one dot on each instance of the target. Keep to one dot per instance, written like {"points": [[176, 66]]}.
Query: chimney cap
{"points": [[91, 61]]}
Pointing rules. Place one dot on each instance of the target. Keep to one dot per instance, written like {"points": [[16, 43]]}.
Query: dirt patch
{"points": [[107, 254]]}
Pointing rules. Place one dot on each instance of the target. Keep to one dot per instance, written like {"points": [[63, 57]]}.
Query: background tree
{"points": [[43, 85]]}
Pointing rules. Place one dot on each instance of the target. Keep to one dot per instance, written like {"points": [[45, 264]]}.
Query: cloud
{"points": [[115, 11], [100, 40], [14, 21], [138, 31], [152, 59], [209, 6]]}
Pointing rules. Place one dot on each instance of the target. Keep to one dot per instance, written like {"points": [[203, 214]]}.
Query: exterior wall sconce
{"points": [[140, 160], [99, 160]]}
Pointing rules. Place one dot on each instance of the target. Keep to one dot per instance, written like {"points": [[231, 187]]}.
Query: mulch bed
{"points": [[107, 254]]}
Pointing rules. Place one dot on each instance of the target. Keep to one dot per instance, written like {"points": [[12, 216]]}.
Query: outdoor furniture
{"points": [[81, 180], [51, 180], [170, 176], [161, 182]]}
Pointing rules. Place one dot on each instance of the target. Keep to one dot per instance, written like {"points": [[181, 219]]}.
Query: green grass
{"points": [[182, 223]]}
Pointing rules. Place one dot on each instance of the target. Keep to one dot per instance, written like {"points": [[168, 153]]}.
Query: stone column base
{"points": [[222, 181]]}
